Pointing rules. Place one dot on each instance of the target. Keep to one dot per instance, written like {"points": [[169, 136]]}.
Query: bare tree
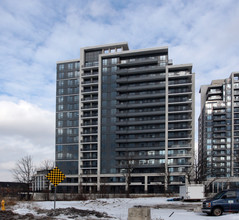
{"points": [[47, 164], [127, 170], [23, 171]]}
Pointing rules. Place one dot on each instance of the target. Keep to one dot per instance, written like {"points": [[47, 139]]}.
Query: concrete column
{"points": [[146, 184], [139, 213]]}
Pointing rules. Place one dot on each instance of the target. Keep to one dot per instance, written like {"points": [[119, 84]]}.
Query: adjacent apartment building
{"points": [[124, 120], [218, 137]]}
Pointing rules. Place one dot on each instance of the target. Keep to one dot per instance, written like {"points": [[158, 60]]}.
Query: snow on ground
{"points": [[118, 208]]}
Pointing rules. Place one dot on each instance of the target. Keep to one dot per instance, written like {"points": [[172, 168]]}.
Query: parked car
{"points": [[225, 201]]}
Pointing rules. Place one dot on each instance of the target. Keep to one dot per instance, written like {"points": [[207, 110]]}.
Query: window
{"points": [[151, 161], [76, 98], [70, 82], [105, 62], [69, 98], [69, 123], [60, 115], [69, 131], [114, 60], [59, 140], [170, 161], [141, 153], [77, 65], [59, 123], [230, 194], [161, 152], [113, 68], [77, 73], [60, 91], [209, 129], [70, 74], [60, 75], [61, 67], [60, 107], [60, 99], [60, 131], [61, 83], [151, 153], [141, 162], [70, 66]]}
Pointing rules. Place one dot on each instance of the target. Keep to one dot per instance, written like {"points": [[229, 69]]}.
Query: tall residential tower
{"points": [[219, 132], [124, 120]]}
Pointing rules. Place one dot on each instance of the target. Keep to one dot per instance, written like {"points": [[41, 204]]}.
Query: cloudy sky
{"points": [[34, 35]]}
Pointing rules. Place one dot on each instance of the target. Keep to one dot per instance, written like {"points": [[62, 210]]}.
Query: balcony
{"points": [[140, 69], [179, 135], [138, 61], [219, 118], [148, 95], [89, 74], [93, 115], [177, 146], [89, 124], [90, 65], [223, 135], [89, 140], [89, 99], [215, 97], [89, 158], [178, 108], [180, 73], [176, 155], [236, 98], [219, 112], [179, 91], [140, 78], [179, 118], [88, 107], [179, 82], [89, 148], [137, 140], [214, 91], [141, 86], [93, 90], [86, 82], [219, 129], [179, 99], [179, 164]]}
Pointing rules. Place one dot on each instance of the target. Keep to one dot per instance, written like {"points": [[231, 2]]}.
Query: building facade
{"points": [[39, 181], [124, 120], [219, 132]]}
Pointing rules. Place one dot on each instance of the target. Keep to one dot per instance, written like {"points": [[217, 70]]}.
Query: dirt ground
{"points": [[52, 214], [10, 215], [188, 207], [73, 213]]}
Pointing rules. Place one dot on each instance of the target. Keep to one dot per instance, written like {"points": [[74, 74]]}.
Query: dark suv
{"points": [[225, 201]]}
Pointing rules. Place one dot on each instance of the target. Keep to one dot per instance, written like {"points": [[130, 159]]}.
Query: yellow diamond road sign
{"points": [[56, 176]]}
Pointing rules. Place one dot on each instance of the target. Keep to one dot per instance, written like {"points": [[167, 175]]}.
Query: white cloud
{"points": [[25, 129]]}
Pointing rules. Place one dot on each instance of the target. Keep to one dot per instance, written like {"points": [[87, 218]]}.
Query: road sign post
{"points": [[55, 197], [55, 176]]}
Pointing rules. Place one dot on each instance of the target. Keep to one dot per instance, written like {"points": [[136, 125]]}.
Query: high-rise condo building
{"points": [[218, 135], [124, 120]]}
